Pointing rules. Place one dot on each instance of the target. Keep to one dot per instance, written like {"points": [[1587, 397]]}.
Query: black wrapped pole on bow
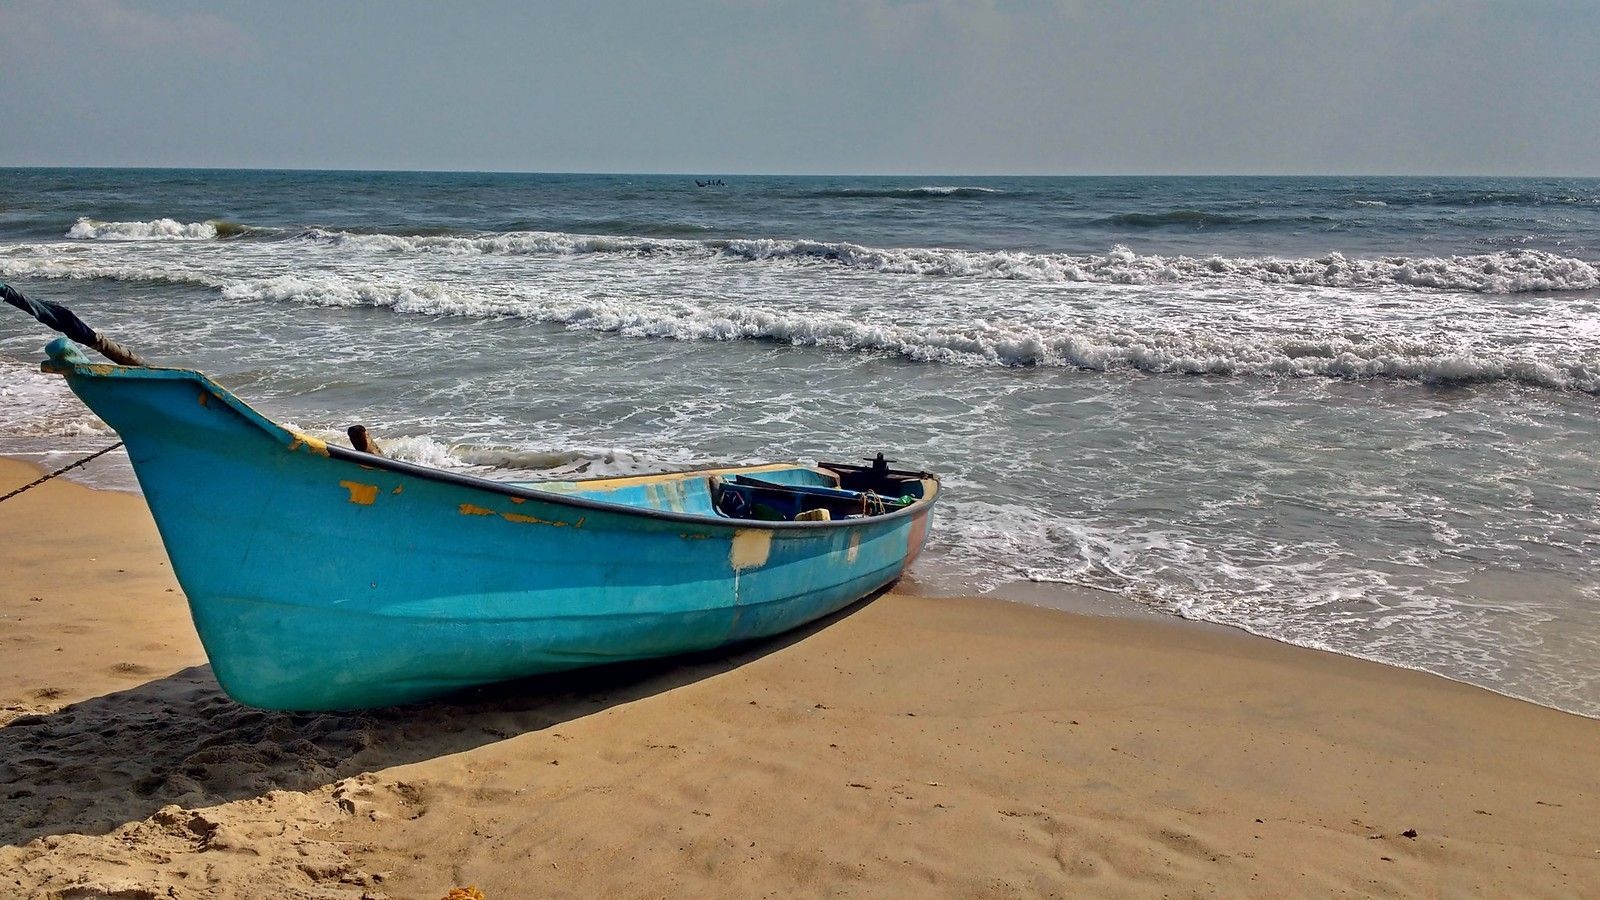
{"points": [[59, 318]]}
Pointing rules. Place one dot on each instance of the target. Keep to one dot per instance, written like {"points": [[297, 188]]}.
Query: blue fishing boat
{"points": [[324, 577]]}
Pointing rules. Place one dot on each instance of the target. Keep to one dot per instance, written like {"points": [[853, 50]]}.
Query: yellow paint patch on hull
{"points": [[751, 547], [472, 509], [535, 520], [360, 494], [315, 445]]}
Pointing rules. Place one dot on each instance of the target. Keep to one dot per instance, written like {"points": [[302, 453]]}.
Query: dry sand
{"points": [[911, 746]]}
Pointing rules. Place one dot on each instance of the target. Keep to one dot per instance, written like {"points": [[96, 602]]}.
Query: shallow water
{"points": [[1352, 414]]}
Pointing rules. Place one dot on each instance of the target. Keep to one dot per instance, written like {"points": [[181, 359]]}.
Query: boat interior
{"points": [[779, 493]]}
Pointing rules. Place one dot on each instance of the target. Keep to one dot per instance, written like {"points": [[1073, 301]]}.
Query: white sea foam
{"points": [[926, 191], [1150, 346], [940, 190], [158, 230], [1301, 594], [514, 463], [51, 266], [521, 463], [510, 243], [1504, 272], [33, 404], [1173, 324], [1157, 351], [420, 449], [1512, 271], [581, 462]]}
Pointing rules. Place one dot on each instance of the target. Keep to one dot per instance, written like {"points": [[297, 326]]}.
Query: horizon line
{"points": [[729, 174]]}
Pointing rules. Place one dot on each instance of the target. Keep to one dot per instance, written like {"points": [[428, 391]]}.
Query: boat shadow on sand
{"points": [[95, 765]]}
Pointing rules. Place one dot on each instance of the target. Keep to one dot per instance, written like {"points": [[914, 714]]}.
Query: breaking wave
{"points": [[84, 270], [1187, 352], [86, 229], [1506, 272], [511, 243]]}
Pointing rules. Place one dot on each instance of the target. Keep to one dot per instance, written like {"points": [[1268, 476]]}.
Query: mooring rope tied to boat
{"points": [[61, 471]]}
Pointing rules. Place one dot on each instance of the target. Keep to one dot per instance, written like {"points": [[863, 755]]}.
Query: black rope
{"points": [[60, 471]]}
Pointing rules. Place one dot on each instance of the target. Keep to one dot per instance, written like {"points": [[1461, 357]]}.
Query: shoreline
{"points": [[908, 745], [1080, 600]]}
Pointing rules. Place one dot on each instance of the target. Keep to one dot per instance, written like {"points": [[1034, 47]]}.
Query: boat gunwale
{"points": [[289, 439], [367, 460]]}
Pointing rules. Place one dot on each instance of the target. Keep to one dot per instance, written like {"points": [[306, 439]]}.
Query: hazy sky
{"points": [[875, 86]]}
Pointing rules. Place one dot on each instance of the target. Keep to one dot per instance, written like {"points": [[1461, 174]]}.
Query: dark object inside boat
{"points": [[878, 477], [863, 491]]}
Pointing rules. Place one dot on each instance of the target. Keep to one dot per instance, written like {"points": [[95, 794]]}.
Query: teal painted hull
{"points": [[320, 578]]}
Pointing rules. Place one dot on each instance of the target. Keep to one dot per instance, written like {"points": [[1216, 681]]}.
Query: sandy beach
{"points": [[910, 746]]}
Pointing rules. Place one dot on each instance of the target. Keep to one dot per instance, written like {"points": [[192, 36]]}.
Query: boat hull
{"points": [[323, 579]]}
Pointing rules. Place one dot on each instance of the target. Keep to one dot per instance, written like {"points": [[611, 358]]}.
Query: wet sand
{"points": [[910, 746]]}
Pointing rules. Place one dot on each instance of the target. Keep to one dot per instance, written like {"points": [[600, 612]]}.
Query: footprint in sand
{"points": [[128, 668]]}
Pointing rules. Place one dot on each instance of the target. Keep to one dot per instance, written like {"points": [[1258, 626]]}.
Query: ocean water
{"points": [[1358, 414]]}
